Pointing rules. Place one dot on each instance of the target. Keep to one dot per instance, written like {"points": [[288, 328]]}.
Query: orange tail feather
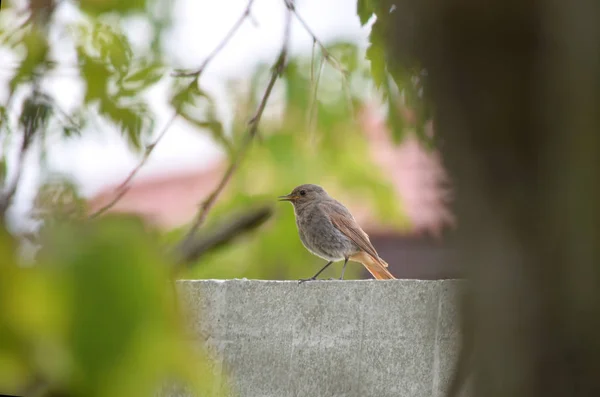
{"points": [[376, 267]]}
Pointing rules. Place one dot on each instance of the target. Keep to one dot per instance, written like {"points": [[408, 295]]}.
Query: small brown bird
{"points": [[328, 230]]}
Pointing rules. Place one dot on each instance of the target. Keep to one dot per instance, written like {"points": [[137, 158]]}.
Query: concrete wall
{"points": [[327, 338]]}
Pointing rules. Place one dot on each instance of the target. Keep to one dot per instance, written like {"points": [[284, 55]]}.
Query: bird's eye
{"points": [[302, 192]]}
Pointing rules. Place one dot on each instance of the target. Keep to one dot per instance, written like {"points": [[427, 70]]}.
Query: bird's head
{"points": [[304, 194]]}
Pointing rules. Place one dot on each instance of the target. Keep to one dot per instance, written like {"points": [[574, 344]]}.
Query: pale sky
{"points": [[199, 25]]}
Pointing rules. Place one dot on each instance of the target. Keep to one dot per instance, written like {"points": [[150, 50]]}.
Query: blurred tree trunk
{"points": [[516, 88]]}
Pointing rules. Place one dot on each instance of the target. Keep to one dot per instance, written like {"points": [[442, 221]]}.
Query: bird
{"points": [[328, 230]]}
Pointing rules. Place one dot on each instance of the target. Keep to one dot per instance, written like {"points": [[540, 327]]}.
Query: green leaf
{"points": [[216, 130], [376, 55], [35, 114], [36, 49], [96, 75], [365, 9], [187, 95], [410, 85], [395, 120], [129, 120], [3, 116], [97, 7], [113, 47], [346, 54], [120, 312], [198, 108], [142, 78], [2, 171], [70, 131], [103, 53]]}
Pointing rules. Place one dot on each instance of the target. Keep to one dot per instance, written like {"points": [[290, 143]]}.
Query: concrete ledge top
{"points": [[320, 281], [354, 338]]}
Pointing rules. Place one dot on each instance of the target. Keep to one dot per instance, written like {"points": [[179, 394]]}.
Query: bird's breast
{"points": [[320, 237]]}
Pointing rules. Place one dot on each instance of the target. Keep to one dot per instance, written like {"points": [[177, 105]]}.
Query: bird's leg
{"points": [[344, 268], [316, 275]]}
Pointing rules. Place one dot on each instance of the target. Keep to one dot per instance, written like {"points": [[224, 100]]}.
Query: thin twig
{"points": [[276, 71], [187, 254], [312, 61], [9, 193], [326, 54], [55, 106], [126, 184], [221, 45], [313, 107], [331, 60], [346, 86], [30, 129]]}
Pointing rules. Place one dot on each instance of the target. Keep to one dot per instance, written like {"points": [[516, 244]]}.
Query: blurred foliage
{"points": [[113, 83], [401, 79], [197, 107], [58, 200], [115, 76], [96, 316], [316, 138]]}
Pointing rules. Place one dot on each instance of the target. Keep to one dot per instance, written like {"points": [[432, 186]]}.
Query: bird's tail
{"points": [[377, 267]]}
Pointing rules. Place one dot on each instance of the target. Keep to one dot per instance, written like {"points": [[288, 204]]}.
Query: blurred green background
{"points": [[328, 148]]}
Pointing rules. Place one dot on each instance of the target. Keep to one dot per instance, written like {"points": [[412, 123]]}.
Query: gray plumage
{"points": [[317, 232], [327, 229]]}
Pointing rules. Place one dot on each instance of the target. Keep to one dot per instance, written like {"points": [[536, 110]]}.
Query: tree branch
{"points": [[221, 45], [190, 251], [276, 71], [9, 192], [326, 54], [126, 184], [330, 59], [313, 108], [40, 13], [34, 117], [124, 187]]}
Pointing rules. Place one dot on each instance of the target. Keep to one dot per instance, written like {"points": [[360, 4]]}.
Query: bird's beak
{"points": [[289, 197]]}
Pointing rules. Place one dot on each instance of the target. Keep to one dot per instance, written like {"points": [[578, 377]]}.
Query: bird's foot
{"points": [[302, 280]]}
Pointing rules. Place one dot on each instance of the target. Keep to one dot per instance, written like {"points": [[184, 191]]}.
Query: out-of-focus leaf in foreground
{"points": [[97, 316]]}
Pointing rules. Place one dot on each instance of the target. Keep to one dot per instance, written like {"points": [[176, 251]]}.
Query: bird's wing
{"points": [[345, 223]]}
